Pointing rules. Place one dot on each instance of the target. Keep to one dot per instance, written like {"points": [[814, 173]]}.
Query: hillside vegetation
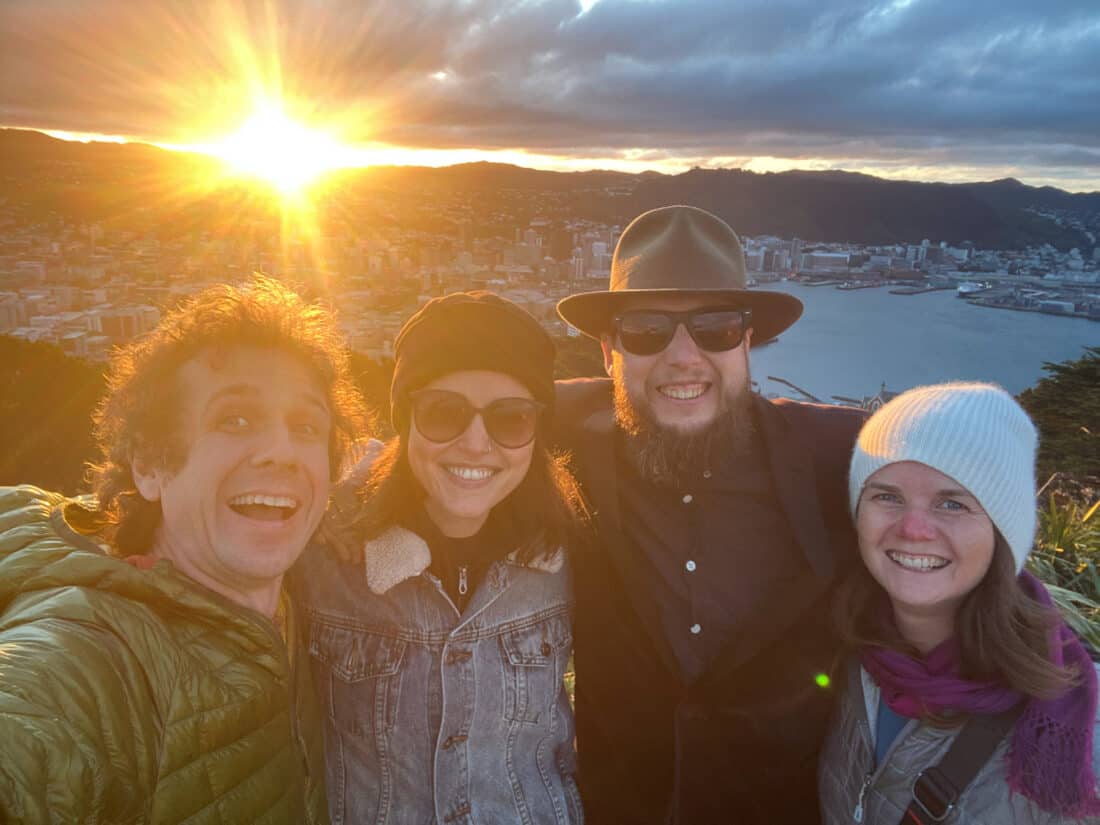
{"points": [[1066, 407]]}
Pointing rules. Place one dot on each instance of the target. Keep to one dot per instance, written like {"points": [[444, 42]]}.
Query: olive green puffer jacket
{"points": [[134, 695]]}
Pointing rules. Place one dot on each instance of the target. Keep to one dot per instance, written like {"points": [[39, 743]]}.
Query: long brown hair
{"points": [[1004, 636], [545, 511]]}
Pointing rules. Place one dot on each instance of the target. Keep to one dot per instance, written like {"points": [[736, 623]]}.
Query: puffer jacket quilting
{"points": [[138, 696]]}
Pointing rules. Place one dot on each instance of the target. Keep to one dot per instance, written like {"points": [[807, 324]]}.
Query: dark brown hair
{"points": [[1004, 635], [544, 512], [139, 417]]}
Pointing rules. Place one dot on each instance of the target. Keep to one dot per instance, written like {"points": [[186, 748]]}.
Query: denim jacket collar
{"points": [[399, 554]]}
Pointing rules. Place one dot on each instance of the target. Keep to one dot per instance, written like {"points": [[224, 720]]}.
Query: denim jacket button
{"points": [[546, 650]]}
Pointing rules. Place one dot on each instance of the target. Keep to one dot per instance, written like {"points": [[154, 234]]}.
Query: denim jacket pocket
{"points": [[361, 679], [534, 660]]}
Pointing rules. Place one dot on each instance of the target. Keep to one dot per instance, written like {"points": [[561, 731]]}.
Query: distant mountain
{"points": [[495, 176], [24, 152], [842, 206], [43, 176]]}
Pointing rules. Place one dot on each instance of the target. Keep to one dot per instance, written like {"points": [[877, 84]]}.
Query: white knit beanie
{"points": [[975, 433]]}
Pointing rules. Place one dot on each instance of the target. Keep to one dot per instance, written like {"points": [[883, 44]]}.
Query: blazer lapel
{"points": [[792, 467], [796, 486]]}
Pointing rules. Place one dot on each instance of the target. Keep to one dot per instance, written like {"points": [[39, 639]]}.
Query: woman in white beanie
{"points": [[967, 700]]}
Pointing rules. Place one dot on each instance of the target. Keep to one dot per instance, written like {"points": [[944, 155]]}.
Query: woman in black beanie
{"points": [[440, 644]]}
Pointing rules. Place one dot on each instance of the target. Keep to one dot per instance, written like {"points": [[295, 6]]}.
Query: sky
{"points": [[946, 90]]}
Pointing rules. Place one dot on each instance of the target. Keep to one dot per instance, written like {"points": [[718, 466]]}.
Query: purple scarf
{"points": [[1050, 759]]}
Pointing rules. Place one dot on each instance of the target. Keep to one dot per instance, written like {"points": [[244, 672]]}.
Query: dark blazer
{"points": [[741, 744]]}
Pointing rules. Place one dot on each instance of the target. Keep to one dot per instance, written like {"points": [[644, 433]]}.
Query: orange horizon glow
{"points": [[630, 161]]}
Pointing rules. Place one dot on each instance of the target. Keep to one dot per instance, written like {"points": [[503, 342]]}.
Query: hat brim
{"points": [[772, 312]]}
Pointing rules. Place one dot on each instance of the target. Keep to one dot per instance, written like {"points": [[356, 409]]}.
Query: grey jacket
{"points": [[433, 717], [854, 790]]}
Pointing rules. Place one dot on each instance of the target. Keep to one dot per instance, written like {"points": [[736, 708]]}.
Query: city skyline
{"points": [[910, 89]]}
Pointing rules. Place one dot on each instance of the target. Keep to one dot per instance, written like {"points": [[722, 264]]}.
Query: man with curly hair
{"points": [[150, 667]]}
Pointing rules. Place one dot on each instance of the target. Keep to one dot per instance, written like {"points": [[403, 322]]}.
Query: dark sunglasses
{"points": [[714, 329], [441, 416]]}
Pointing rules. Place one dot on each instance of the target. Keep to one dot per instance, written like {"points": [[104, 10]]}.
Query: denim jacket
{"points": [[436, 717]]}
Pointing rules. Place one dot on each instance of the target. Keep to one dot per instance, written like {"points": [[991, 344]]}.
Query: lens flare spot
{"points": [[823, 680]]}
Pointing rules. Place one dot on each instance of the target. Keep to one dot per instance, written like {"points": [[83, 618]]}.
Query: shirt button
{"points": [[696, 629], [706, 473], [687, 499], [690, 566]]}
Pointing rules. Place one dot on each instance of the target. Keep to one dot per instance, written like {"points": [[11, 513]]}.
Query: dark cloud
{"points": [[926, 81]]}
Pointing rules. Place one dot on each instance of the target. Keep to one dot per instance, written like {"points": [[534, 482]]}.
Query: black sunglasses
{"points": [[714, 329], [442, 415]]}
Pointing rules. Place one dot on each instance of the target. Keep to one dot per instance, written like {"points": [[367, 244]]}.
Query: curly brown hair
{"points": [[139, 417]]}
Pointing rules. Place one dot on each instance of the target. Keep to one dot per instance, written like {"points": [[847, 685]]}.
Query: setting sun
{"points": [[281, 151]]}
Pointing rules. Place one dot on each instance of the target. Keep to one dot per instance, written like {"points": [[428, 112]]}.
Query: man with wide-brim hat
{"points": [[680, 250], [703, 646]]}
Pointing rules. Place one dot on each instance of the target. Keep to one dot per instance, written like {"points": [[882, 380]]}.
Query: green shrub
{"points": [[1067, 557]]}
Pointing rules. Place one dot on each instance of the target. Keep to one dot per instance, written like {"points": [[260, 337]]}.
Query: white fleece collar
{"points": [[399, 554], [395, 555]]}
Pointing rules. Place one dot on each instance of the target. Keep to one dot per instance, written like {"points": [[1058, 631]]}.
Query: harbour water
{"points": [[850, 342]]}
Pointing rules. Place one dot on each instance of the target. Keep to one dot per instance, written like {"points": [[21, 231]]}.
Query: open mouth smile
{"points": [[264, 507], [683, 392], [474, 474], [921, 564]]}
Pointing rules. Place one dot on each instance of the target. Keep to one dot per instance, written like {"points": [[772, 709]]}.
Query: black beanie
{"points": [[470, 331]]}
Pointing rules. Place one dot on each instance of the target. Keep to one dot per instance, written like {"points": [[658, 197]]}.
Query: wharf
{"points": [[856, 285], [987, 302], [918, 290]]}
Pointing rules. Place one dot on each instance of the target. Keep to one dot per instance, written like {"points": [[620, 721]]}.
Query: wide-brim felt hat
{"points": [[679, 250]]}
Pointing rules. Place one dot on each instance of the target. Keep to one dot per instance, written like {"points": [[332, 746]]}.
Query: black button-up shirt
{"points": [[716, 549]]}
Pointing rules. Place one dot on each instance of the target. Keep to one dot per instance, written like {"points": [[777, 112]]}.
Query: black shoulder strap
{"points": [[938, 788]]}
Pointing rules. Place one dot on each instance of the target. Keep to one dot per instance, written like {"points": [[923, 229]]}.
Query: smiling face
{"points": [[255, 482], [925, 540], [682, 388], [463, 479]]}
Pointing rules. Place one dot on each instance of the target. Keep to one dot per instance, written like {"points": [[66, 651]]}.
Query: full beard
{"points": [[669, 457]]}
